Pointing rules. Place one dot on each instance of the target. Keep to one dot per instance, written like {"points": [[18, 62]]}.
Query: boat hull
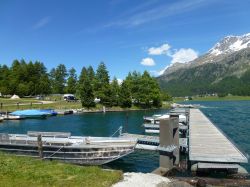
{"points": [[74, 155]]}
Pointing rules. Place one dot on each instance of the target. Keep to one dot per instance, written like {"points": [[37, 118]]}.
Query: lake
{"points": [[232, 117]]}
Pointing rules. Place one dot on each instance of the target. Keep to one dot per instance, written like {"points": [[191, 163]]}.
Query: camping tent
{"points": [[15, 97]]}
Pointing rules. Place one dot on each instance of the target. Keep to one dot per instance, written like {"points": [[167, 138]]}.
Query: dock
{"points": [[208, 144], [152, 142]]}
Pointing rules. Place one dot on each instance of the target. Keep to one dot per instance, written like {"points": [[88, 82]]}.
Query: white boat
{"points": [[64, 147], [1, 119], [155, 119], [155, 128]]}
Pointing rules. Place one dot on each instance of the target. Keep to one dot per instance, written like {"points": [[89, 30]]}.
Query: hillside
{"points": [[223, 69]]}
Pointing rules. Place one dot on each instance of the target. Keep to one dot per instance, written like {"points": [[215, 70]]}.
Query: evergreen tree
{"points": [[125, 96], [72, 81], [58, 79], [86, 90], [91, 74], [115, 89], [102, 86]]}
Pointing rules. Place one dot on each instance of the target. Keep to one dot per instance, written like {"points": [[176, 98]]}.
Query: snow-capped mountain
{"points": [[230, 44], [225, 47], [225, 68]]}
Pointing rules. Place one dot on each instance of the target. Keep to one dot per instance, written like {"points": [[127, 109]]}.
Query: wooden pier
{"points": [[208, 144]]}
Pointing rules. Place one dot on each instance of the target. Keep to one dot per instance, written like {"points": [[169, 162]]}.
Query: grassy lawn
{"points": [[216, 98], [22, 171], [11, 105]]}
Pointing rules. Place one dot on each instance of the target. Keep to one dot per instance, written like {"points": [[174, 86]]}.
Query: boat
{"points": [[30, 113], [62, 146], [1, 119], [155, 119], [155, 128]]}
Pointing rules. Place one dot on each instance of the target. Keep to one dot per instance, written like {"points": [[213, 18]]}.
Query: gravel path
{"points": [[142, 180]]}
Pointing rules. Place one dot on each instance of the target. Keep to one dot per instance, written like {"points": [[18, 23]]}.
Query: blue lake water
{"points": [[232, 117]]}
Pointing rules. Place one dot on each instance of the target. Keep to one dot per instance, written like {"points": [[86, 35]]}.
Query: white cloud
{"points": [[41, 23], [152, 11], [148, 62], [163, 49], [184, 55]]}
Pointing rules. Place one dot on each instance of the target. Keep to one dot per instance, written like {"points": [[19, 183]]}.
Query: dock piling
{"points": [[169, 142]]}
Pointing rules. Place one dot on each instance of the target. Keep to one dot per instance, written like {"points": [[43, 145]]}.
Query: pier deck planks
{"points": [[208, 144]]}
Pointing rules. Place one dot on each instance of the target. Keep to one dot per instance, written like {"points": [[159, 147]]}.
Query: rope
{"points": [[54, 152], [118, 130]]}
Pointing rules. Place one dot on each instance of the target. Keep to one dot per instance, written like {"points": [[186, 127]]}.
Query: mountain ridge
{"points": [[224, 47], [206, 73]]}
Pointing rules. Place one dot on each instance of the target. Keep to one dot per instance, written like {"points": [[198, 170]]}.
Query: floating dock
{"points": [[152, 142], [208, 144]]}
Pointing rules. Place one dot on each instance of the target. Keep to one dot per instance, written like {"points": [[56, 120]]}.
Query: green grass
{"points": [[11, 105], [216, 98], [23, 171]]}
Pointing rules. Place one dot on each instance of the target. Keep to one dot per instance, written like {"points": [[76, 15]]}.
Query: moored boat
{"points": [[30, 113], [155, 119], [1, 119], [64, 147]]}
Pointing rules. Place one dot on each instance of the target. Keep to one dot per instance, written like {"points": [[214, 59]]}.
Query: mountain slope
{"points": [[223, 69]]}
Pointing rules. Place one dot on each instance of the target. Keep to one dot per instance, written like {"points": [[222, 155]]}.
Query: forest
{"points": [[32, 79]]}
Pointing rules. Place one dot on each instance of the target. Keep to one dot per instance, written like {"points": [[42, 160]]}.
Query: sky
{"points": [[127, 35]]}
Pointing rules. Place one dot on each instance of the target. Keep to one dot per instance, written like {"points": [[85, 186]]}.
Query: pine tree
{"points": [[86, 90], [71, 82], [58, 79], [125, 96], [115, 89], [102, 86]]}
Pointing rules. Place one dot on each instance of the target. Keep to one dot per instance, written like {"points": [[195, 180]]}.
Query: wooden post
{"points": [[40, 146], [17, 104]]}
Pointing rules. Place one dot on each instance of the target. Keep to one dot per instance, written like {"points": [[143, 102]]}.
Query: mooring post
{"points": [[40, 145], [169, 144], [166, 139]]}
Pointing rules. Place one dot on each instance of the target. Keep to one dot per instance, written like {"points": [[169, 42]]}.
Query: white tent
{"points": [[15, 97]]}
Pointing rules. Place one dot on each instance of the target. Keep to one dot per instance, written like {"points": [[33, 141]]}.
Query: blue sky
{"points": [[127, 35]]}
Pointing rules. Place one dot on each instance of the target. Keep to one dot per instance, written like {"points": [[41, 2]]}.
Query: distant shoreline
{"points": [[214, 98]]}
